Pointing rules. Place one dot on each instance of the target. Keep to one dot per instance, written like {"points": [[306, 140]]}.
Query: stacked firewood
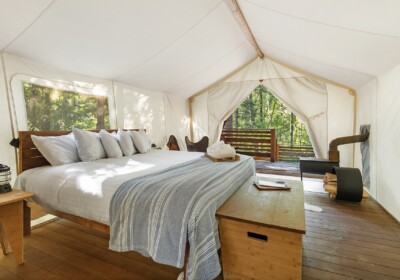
{"points": [[330, 186]]}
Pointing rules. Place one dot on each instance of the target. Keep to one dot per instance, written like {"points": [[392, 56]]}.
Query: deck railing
{"points": [[293, 153], [252, 142], [262, 143]]}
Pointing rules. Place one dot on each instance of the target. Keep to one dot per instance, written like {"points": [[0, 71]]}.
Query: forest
{"points": [[52, 109], [262, 110]]}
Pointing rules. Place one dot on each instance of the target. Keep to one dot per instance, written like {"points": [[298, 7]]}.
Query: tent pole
{"points": [[191, 99], [11, 108], [354, 93], [237, 13]]}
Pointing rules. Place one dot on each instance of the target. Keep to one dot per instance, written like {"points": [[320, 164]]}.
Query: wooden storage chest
{"points": [[261, 233]]}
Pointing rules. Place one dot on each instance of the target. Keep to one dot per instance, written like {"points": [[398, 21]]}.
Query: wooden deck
{"points": [[346, 241]]}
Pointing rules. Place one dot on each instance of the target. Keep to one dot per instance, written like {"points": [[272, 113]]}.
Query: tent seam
{"points": [[321, 23], [314, 60], [115, 104], [207, 67], [29, 26], [172, 43]]}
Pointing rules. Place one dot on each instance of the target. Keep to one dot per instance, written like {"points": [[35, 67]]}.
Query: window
{"points": [[52, 109]]}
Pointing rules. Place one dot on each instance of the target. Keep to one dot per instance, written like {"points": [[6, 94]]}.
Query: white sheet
{"points": [[85, 189]]}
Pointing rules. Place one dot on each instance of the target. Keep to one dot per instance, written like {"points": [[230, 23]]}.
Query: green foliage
{"points": [[263, 110], [52, 109]]}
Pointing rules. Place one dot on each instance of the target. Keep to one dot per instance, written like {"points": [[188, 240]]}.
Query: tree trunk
{"points": [[237, 118], [252, 112], [229, 123], [47, 122], [271, 116], [292, 119], [100, 112]]}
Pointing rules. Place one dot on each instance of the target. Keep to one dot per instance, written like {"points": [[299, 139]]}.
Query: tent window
{"points": [[53, 109]]}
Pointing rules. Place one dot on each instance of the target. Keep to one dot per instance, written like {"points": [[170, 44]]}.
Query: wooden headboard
{"points": [[29, 156]]}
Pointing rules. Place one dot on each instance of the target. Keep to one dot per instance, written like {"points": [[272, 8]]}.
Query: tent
{"points": [[170, 66]]}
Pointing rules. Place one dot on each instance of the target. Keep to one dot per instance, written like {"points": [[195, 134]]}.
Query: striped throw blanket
{"points": [[158, 213]]}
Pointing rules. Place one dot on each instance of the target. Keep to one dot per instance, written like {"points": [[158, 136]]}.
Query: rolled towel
{"points": [[218, 144], [221, 151]]}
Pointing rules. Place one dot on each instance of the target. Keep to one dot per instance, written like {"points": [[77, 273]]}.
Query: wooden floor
{"points": [[346, 241]]}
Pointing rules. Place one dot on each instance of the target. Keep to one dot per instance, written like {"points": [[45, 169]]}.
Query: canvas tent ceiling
{"points": [[180, 47]]}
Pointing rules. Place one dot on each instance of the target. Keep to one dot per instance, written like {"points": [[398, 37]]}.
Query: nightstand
{"points": [[11, 223]]}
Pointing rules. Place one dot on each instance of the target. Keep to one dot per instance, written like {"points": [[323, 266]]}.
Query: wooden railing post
{"points": [[273, 145], [277, 151]]}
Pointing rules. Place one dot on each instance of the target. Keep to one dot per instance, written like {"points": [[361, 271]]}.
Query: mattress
{"points": [[85, 189]]}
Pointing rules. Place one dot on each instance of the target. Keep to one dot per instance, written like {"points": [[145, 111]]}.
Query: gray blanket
{"points": [[157, 214]]}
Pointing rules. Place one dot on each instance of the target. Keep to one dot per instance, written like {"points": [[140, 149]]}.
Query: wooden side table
{"points": [[11, 223]]}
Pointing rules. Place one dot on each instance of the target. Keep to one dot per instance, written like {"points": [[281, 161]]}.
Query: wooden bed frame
{"points": [[30, 157]]}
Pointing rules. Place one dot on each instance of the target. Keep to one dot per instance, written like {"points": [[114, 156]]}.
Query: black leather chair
{"points": [[200, 146]]}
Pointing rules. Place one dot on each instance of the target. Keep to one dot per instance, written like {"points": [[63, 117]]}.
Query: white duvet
{"points": [[85, 189]]}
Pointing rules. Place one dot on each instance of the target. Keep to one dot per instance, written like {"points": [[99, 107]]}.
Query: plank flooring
{"points": [[350, 241], [346, 241]]}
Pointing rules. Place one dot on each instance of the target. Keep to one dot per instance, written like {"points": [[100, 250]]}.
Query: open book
{"points": [[271, 186]]}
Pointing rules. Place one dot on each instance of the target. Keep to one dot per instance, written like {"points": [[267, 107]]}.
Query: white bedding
{"points": [[85, 189]]}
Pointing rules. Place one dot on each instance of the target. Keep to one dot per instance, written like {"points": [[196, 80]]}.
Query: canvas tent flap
{"points": [[223, 101], [305, 96], [177, 118]]}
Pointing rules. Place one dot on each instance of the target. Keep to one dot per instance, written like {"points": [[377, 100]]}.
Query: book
{"points": [[271, 186]]}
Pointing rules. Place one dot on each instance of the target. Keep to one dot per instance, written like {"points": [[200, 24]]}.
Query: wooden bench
{"points": [[261, 233]]}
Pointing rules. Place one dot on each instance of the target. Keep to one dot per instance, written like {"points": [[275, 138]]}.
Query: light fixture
{"points": [[5, 179]]}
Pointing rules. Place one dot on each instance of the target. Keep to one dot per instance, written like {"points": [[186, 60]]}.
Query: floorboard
{"points": [[345, 241], [350, 241]]}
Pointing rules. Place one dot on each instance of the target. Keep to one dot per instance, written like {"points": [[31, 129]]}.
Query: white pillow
{"points": [[140, 141], [110, 144], [89, 145], [143, 132], [125, 142], [58, 150]]}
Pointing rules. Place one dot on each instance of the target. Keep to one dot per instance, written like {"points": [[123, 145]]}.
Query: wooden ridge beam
{"points": [[237, 13]]}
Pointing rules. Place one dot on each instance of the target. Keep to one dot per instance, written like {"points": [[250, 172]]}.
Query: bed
{"points": [[138, 192]]}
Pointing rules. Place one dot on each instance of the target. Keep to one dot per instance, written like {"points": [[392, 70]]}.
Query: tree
{"points": [[52, 109], [263, 110]]}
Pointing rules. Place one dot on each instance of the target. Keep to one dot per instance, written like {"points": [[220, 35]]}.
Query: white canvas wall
{"points": [[341, 120], [160, 114], [177, 118], [366, 114], [139, 108], [379, 105], [130, 107], [200, 117]]}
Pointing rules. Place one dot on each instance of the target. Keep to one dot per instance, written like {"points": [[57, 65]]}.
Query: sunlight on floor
{"points": [[310, 184]]}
